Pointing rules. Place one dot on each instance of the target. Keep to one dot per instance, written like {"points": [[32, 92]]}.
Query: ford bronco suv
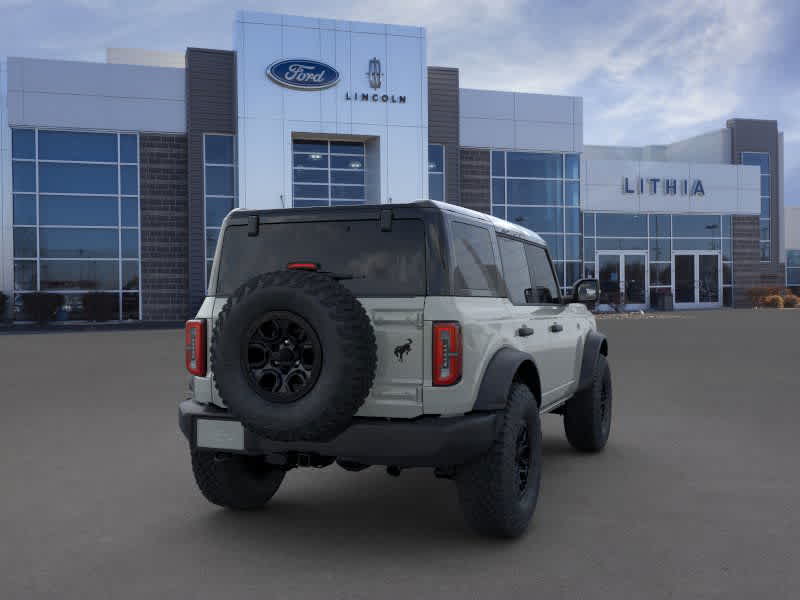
{"points": [[410, 335]]}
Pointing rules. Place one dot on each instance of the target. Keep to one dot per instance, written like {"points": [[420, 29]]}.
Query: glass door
{"points": [[623, 279], [697, 279]]}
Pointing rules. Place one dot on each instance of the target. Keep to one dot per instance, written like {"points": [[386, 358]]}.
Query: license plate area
{"points": [[219, 434]]}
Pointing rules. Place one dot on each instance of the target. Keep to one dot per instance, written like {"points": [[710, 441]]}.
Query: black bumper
{"points": [[427, 441]]}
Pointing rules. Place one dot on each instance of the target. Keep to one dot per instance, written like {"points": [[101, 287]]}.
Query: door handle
{"points": [[556, 327], [524, 331]]}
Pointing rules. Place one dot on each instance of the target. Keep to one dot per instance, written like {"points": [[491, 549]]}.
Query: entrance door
{"points": [[623, 279], [697, 279]]}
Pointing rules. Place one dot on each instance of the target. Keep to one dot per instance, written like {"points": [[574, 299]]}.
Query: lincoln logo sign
{"points": [[302, 74], [667, 186]]}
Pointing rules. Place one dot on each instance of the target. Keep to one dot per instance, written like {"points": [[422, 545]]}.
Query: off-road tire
{"points": [[489, 488], [348, 349], [587, 415], [235, 481]]}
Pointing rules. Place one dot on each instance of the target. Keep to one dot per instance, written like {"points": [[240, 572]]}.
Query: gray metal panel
{"points": [[443, 124], [210, 108], [475, 180]]}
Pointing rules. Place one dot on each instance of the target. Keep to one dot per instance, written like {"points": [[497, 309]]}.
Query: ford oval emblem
{"points": [[303, 74]]}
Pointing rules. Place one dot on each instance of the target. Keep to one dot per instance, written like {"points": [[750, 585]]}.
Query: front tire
{"points": [[498, 492], [235, 481], [587, 415]]}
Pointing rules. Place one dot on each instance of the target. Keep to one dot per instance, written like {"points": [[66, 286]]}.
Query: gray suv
{"points": [[410, 335]]}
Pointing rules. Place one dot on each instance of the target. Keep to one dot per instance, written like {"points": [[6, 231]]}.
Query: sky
{"points": [[649, 72]]}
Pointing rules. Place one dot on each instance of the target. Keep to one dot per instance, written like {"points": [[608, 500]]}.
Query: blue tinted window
{"points": [[499, 212], [23, 143], [727, 249], [78, 243], [572, 245], [696, 225], [538, 219], [301, 203], [130, 243], [25, 275], [572, 220], [130, 275], [316, 161], [130, 212], [357, 177], [529, 164], [310, 191], [759, 159], [572, 273], [80, 275], [346, 162], [621, 244], [219, 149], [793, 258], [660, 249], [765, 185], [435, 185], [588, 224], [660, 226], [129, 180], [216, 209], [523, 191], [766, 251], [23, 176], [310, 146], [695, 244], [765, 208], [624, 225], [498, 163], [73, 145], [77, 179], [346, 202], [24, 209], [435, 158], [77, 210], [498, 191], [764, 229], [219, 181], [726, 226], [25, 242], [347, 192], [588, 249], [555, 244], [573, 166], [572, 189], [793, 277], [347, 148], [128, 149], [211, 241], [311, 175]]}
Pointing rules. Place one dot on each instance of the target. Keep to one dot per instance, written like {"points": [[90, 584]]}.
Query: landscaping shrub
{"points": [[773, 301], [790, 301], [41, 306], [99, 306]]}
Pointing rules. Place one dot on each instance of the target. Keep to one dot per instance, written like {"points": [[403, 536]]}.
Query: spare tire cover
{"points": [[293, 355]]}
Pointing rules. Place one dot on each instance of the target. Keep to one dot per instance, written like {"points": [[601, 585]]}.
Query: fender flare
{"points": [[498, 376], [595, 345]]}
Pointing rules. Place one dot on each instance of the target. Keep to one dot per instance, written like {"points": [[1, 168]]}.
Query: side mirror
{"points": [[586, 291]]}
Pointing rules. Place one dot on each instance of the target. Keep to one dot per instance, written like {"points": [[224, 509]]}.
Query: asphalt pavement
{"points": [[696, 496]]}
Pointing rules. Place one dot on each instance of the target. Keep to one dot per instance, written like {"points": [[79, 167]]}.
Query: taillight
{"points": [[446, 353], [196, 347], [302, 266]]}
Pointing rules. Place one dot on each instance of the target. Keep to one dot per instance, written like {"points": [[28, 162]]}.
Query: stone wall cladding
{"points": [[475, 181], [163, 197]]}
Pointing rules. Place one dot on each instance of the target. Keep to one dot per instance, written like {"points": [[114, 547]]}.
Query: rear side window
{"points": [[380, 263], [545, 286], [475, 270], [515, 270]]}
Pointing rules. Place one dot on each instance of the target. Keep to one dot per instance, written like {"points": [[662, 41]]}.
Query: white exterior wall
{"points": [[713, 147], [148, 58], [6, 205], [269, 114], [791, 228], [82, 95], [729, 189], [518, 121]]}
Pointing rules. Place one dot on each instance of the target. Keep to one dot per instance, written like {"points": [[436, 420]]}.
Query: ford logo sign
{"points": [[303, 74]]}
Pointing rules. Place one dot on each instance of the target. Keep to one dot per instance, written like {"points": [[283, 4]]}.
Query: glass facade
{"points": [[436, 172], [327, 173], [761, 160], [541, 191], [793, 268], [76, 219], [659, 236], [219, 166]]}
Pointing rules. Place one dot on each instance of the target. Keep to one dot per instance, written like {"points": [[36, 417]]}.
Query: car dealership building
{"points": [[115, 176]]}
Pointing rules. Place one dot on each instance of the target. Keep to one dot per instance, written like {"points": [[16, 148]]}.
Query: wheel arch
{"points": [[505, 367], [595, 345]]}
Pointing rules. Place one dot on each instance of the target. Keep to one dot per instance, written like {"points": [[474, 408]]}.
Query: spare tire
{"points": [[293, 355]]}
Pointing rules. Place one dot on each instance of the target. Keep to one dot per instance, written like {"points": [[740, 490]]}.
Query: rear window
{"points": [[382, 263]]}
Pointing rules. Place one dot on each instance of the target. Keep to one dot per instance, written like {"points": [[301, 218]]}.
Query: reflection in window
{"points": [[328, 173], [74, 226], [761, 160], [219, 156]]}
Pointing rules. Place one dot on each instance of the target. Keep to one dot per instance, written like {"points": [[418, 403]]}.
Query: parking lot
{"points": [[696, 495]]}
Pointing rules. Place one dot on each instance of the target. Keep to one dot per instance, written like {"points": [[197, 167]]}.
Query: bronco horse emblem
{"points": [[402, 350]]}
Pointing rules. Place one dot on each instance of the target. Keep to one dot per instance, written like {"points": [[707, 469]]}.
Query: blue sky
{"points": [[649, 72]]}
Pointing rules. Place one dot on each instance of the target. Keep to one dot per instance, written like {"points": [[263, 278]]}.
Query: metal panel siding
{"points": [[443, 124], [210, 108], [475, 180]]}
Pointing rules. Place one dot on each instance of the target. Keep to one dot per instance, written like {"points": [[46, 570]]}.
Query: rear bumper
{"points": [[422, 442]]}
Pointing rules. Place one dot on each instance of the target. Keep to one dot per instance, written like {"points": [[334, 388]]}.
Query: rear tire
{"points": [[587, 415], [235, 481], [498, 492]]}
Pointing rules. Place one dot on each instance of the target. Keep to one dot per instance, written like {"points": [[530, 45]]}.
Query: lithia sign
{"points": [[667, 186], [306, 74]]}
